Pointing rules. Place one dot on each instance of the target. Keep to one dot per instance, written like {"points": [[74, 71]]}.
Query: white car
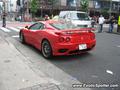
{"points": [[78, 18]]}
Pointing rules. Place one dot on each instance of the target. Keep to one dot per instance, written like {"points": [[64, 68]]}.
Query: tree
{"points": [[34, 7], [84, 5]]}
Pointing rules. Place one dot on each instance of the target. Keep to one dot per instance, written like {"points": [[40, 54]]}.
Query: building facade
{"points": [[111, 6], [9, 8], [52, 7]]}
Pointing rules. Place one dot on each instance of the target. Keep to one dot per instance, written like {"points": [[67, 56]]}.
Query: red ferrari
{"points": [[58, 38]]}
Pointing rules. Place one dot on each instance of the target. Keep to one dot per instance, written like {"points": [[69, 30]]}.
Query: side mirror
{"points": [[26, 27]]}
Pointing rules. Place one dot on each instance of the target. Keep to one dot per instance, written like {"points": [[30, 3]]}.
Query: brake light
{"points": [[67, 39], [64, 39], [61, 39]]}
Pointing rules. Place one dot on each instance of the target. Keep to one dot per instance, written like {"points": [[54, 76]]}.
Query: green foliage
{"points": [[105, 12], [34, 6], [84, 5]]}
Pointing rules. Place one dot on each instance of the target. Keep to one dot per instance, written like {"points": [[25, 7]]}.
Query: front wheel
{"points": [[46, 49], [21, 36]]}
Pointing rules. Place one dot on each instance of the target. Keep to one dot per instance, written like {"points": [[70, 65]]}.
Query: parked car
{"points": [[54, 38], [78, 18]]}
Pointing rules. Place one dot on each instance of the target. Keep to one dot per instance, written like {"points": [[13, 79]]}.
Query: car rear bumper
{"points": [[72, 48]]}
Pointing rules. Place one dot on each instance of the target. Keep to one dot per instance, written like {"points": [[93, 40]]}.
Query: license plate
{"points": [[82, 46]]}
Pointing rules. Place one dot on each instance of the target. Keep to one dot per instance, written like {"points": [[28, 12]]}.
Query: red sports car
{"points": [[58, 38]]}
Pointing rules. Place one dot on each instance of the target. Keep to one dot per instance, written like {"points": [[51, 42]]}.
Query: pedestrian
{"points": [[101, 21], [111, 24], [118, 26], [93, 22], [4, 19], [47, 17]]}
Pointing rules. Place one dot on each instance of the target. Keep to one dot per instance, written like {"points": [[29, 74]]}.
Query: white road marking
{"points": [[19, 27], [15, 36], [4, 29], [110, 72], [15, 29]]}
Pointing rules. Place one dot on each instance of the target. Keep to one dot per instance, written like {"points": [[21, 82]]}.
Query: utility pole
{"points": [[94, 7], [27, 8], [76, 2], [4, 14], [110, 9], [41, 9]]}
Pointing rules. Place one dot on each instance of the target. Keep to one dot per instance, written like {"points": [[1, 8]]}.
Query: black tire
{"points": [[21, 37], [46, 49]]}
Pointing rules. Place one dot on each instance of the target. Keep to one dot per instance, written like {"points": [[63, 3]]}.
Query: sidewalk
{"points": [[16, 74]]}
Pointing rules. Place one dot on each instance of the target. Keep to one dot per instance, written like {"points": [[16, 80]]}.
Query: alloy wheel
{"points": [[46, 49]]}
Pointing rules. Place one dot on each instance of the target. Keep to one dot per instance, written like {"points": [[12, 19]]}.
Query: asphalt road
{"points": [[99, 66]]}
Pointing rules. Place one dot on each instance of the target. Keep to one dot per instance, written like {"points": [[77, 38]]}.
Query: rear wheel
{"points": [[21, 36], [46, 49]]}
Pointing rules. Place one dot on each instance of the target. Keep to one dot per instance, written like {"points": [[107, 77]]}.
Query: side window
{"points": [[42, 26], [37, 26]]}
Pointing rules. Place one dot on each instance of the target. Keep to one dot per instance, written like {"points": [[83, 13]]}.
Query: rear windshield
{"points": [[63, 25], [79, 16]]}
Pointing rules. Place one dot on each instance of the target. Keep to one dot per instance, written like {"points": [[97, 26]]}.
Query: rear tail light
{"points": [[67, 39], [61, 39], [64, 39]]}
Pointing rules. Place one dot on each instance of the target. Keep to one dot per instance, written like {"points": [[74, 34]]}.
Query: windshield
{"points": [[79, 16], [63, 25]]}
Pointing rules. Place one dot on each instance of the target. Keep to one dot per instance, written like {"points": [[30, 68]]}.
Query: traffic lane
{"points": [[101, 60], [93, 67], [98, 66]]}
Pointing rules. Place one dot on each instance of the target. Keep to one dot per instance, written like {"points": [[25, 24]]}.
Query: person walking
{"points": [[93, 22], [118, 24], [101, 21], [4, 19], [111, 24]]}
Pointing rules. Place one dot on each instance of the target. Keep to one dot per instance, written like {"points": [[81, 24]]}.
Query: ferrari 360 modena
{"points": [[55, 38]]}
